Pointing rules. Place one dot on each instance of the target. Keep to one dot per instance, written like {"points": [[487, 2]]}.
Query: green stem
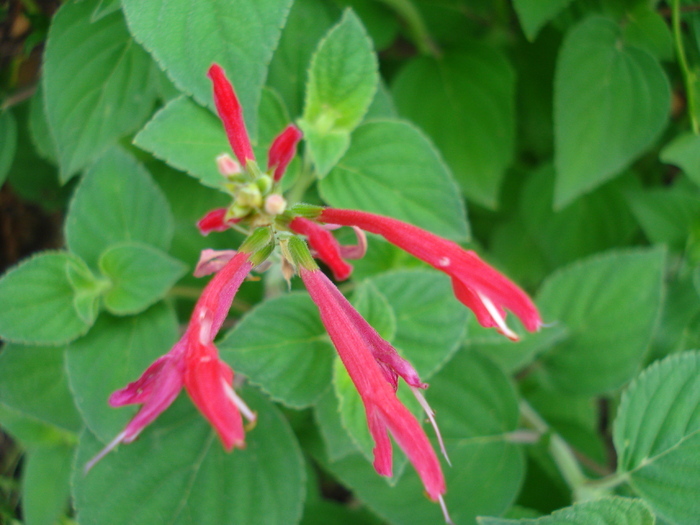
{"points": [[416, 26], [688, 74], [561, 452], [304, 181]]}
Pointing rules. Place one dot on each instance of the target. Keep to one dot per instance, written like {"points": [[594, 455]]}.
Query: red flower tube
{"points": [[476, 284]]}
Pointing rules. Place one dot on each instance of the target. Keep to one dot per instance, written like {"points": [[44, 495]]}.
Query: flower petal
{"points": [[324, 244], [282, 150]]}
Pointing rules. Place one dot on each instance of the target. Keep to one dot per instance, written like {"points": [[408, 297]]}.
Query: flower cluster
{"points": [[303, 232]]}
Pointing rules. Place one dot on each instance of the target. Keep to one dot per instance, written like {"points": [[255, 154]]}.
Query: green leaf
{"points": [[684, 152], [187, 38], [38, 301], [117, 201], [39, 128], [282, 346], [611, 101], [188, 137], [648, 30], [33, 382], [97, 84], [46, 484], [657, 437], [32, 432], [343, 78], [534, 14], [667, 215], [476, 408], [104, 8], [114, 353], [190, 479], [140, 275], [465, 102], [609, 304], [392, 169], [338, 442], [375, 308], [308, 22], [605, 511], [596, 222], [8, 143]]}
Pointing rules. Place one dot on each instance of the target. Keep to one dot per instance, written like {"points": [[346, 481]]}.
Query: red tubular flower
{"points": [[367, 364], [231, 114], [194, 362], [324, 244], [476, 284], [214, 221], [282, 150]]}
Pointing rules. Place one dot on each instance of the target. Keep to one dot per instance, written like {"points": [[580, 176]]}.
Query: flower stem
{"points": [[306, 178], [688, 74]]}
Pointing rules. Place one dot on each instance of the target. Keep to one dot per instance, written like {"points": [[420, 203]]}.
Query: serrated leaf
{"points": [[342, 81], [37, 299], [282, 346], [475, 406], [114, 353], [97, 84], [611, 101], [684, 152], [117, 201], [191, 478], [609, 304], [140, 275], [534, 14], [465, 102], [605, 511], [33, 382], [8, 143], [392, 169], [46, 484], [187, 38], [657, 437]]}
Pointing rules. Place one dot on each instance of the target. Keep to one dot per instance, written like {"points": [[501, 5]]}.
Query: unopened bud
{"points": [[236, 211], [249, 195], [227, 165], [264, 182], [275, 204]]}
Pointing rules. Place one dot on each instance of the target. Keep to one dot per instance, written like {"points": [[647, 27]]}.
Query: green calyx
{"points": [[308, 211], [300, 254], [258, 240]]}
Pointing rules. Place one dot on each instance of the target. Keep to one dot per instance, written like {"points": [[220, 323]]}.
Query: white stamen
{"points": [[431, 416], [102, 453], [446, 514], [444, 262], [231, 393], [496, 315], [204, 327]]}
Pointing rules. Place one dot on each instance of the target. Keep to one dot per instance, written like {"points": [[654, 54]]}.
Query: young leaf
{"points": [[534, 14], [465, 102], [187, 38], [46, 483], [609, 304], [392, 169], [282, 346], [605, 511], [8, 143], [342, 81], [33, 382], [190, 478], [139, 274], [97, 84], [117, 201], [611, 101], [38, 301], [657, 437], [114, 353]]}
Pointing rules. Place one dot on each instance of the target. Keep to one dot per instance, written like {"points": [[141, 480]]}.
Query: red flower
{"points": [[373, 367], [194, 361], [476, 284], [282, 150]]}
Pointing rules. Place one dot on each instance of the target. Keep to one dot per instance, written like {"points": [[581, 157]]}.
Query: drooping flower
{"points": [[194, 362], [374, 367], [487, 292]]}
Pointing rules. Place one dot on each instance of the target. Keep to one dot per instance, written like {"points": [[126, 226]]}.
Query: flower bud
{"points": [[275, 204], [249, 195], [227, 165]]}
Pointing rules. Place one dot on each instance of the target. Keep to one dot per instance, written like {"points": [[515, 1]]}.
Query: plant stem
{"points": [[305, 179], [416, 26], [689, 75]]}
